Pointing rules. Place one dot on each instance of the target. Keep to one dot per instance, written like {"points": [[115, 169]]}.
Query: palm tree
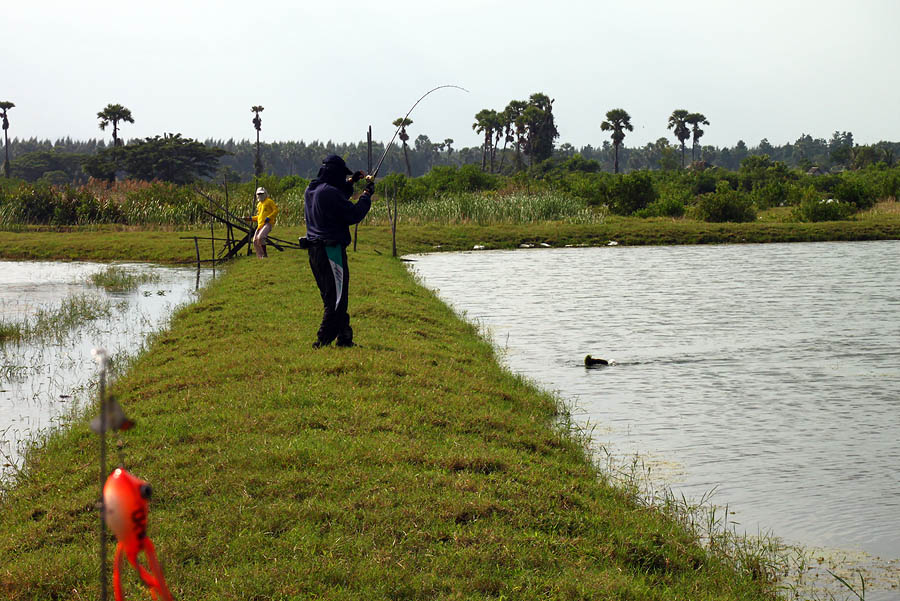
{"points": [[617, 121], [678, 120], [114, 113], [5, 105], [402, 122], [257, 124], [448, 145], [696, 120], [514, 127], [486, 121]]}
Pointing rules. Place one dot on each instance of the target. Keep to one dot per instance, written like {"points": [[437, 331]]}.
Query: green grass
{"points": [[72, 312], [10, 330], [489, 209], [110, 243], [119, 279], [410, 467]]}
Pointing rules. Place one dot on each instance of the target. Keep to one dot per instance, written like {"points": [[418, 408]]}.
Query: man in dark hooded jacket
{"points": [[329, 215]]}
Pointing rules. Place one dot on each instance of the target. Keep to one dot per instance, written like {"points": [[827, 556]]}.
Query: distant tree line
{"points": [[60, 161], [519, 137]]}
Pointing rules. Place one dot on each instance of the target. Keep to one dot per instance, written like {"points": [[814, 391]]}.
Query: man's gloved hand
{"points": [[357, 175], [370, 187]]}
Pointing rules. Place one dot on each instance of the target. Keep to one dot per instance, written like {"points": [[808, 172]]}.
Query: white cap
{"points": [[261, 190]]}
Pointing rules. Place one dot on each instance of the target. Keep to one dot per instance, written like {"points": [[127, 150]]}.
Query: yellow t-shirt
{"points": [[265, 209]]}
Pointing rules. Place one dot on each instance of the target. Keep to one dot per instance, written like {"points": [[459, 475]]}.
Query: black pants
{"points": [[329, 267]]}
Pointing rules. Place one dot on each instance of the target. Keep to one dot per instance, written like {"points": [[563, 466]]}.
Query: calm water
{"points": [[770, 373], [41, 381]]}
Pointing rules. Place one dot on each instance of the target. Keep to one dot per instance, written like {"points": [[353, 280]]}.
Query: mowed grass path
{"points": [[410, 467]]}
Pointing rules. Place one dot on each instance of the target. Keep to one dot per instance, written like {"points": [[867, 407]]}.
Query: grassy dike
{"points": [[410, 467], [110, 243]]}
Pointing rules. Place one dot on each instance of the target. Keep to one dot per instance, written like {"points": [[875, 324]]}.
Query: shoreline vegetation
{"points": [[411, 467], [160, 244]]}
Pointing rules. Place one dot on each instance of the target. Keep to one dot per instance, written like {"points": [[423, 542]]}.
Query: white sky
{"points": [[326, 70]]}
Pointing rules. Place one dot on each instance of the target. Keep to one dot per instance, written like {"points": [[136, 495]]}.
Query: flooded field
{"points": [[64, 310]]}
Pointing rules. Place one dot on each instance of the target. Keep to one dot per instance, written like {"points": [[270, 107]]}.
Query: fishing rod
{"points": [[371, 176]]}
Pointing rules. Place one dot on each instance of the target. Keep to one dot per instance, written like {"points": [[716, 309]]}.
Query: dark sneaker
{"points": [[345, 343]]}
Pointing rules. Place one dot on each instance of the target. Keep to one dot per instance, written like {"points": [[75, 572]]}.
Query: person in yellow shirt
{"points": [[265, 219]]}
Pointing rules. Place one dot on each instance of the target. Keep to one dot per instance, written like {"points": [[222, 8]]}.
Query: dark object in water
{"points": [[590, 361]]}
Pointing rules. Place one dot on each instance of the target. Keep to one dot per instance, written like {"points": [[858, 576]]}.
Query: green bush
{"points": [[890, 184], [703, 183], [823, 183], [593, 188], [665, 206], [813, 207], [723, 205], [774, 193], [29, 203], [630, 193], [757, 170], [276, 187], [856, 190]]}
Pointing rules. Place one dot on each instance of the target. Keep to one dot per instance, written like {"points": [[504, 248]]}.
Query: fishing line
{"points": [[402, 121]]}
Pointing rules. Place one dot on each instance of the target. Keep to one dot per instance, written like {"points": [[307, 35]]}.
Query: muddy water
{"points": [[43, 380], [769, 374]]}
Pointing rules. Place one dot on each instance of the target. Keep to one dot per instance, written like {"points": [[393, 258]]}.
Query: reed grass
{"points": [[46, 323], [118, 279], [10, 330], [492, 209]]}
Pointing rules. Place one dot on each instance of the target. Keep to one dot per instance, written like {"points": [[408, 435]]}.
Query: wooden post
{"points": [[212, 239], [197, 248], [394, 226]]}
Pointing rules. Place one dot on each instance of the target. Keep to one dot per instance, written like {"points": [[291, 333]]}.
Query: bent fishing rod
{"points": [[371, 176]]}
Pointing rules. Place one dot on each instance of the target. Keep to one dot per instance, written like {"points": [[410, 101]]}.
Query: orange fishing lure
{"points": [[125, 510]]}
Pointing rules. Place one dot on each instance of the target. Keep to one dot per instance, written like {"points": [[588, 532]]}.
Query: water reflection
{"points": [[768, 372], [45, 379]]}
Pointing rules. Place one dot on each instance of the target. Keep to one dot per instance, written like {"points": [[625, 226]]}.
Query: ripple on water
{"points": [[769, 372]]}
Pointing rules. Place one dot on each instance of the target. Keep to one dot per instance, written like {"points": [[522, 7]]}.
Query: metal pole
{"points": [[103, 593]]}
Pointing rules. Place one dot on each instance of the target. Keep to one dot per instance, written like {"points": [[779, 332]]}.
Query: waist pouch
{"points": [[305, 242]]}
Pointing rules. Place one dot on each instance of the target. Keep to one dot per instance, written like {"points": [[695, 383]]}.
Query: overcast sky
{"points": [[324, 70]]}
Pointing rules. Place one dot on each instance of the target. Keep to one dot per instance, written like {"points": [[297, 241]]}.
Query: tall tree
{"points": [[617, 121], [840, 148], [540, 128], [5, 105], [678, 122], [257, 125], [170, 158], [114, 113], [402, 123], [487, 122], [696, 120], [448, 144], [514, 127]]}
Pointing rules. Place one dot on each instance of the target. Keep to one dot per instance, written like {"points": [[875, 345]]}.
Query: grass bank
{"points": [[410, 467], [111, 243]]}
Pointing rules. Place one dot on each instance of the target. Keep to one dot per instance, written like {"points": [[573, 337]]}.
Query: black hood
{"points": [[334, 171]]}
